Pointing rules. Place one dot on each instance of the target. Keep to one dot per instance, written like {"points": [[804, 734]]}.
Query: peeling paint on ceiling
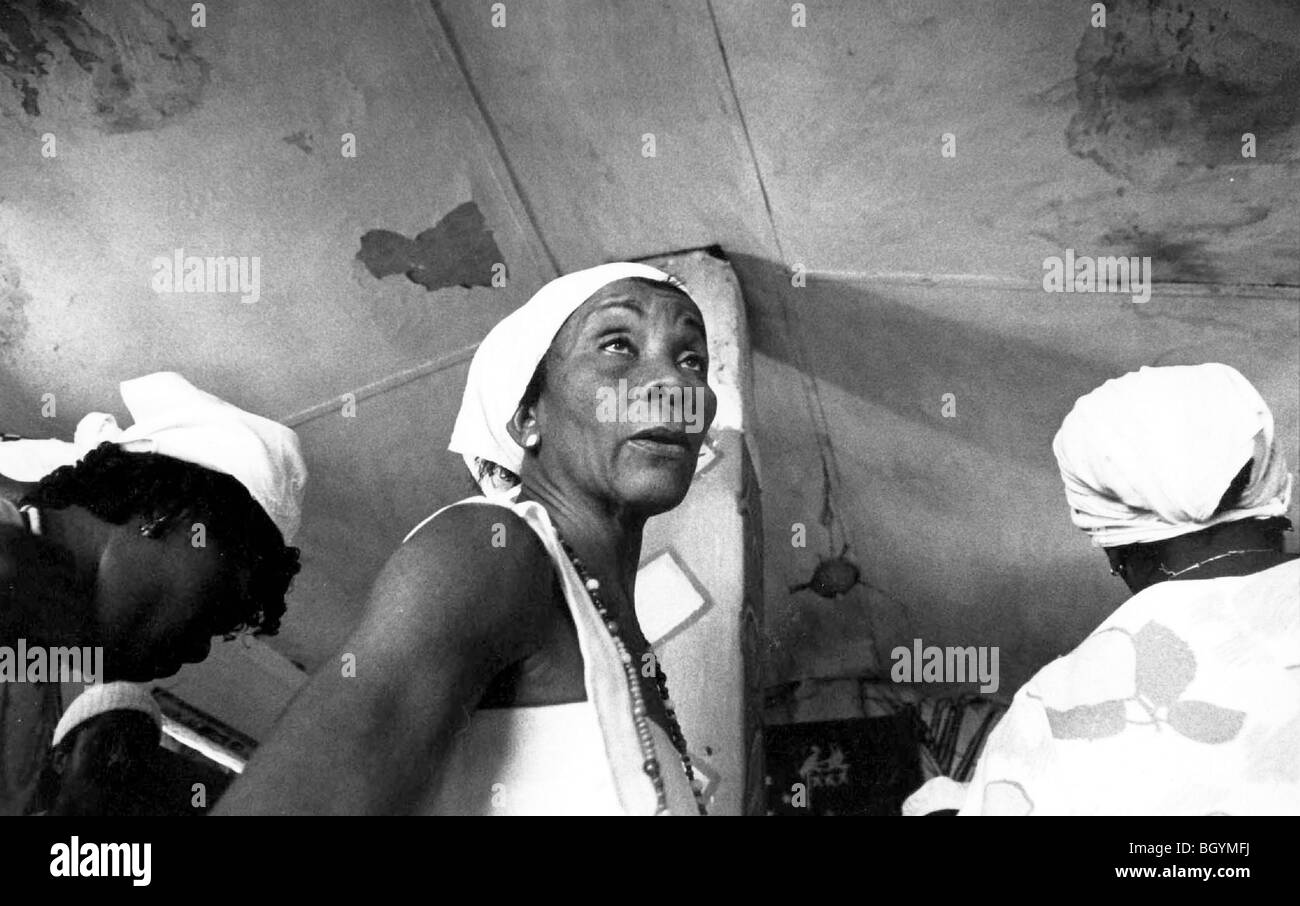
{"points": [[127, 63], [457, 251]]}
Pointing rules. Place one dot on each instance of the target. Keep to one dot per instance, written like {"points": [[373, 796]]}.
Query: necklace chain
{"points": [[1255, 550], [640, 715]]}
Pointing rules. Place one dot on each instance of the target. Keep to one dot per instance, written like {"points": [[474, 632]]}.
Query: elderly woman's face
{"points": [[626, 401]]}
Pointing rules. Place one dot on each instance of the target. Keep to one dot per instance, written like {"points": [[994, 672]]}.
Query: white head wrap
{"points": [[102, 698], [508, 357], [174, 418], [1149, 455]]}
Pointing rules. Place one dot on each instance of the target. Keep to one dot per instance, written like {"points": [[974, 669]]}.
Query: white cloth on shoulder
{"points": [[1186, 701], [1149, 455], [579, 758], [102, 698]]}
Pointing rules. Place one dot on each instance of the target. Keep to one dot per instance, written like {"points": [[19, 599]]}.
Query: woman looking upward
{"points": [[500, 668]]}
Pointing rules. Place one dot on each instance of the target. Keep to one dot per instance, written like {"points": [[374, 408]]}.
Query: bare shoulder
{"points": [[456, 604], [482, 540], [475, 574]]}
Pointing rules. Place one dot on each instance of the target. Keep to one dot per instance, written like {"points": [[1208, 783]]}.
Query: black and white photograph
{"points": [[650, 407]]}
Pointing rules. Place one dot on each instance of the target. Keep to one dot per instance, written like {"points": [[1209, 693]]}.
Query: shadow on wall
{"points": [[878, 348], [958, 524]]}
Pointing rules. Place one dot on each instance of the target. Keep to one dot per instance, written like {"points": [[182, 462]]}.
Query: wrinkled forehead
{"points": [[639, 296]]}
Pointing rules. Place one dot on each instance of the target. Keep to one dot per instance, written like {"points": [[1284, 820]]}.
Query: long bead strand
{"points": [[640, 714]]}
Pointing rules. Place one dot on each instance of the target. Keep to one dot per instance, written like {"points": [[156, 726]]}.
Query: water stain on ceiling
{"points": [[13, 305], [1166, 86], [1187, 252], [127, 63]]}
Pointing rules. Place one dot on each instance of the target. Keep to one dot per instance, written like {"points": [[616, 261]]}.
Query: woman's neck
{"points": [[1230, 549], [607, 540]]}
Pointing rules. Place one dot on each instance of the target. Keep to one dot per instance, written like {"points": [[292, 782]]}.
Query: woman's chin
{"points": [[657, 494]]}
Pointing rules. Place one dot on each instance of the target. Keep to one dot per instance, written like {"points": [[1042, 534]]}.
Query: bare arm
{"points": [[448, 612]]}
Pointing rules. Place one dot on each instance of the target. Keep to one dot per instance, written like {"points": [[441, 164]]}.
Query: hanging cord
{"points": [[821, 431], [942, 733], [832, 478], [976, 745]]}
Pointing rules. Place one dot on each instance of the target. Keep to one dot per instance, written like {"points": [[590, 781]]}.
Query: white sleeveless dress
{"points": [[581, 758]]}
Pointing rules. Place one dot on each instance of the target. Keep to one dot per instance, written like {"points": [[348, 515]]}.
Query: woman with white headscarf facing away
{"points": [[1186, 700], [501, 669]]}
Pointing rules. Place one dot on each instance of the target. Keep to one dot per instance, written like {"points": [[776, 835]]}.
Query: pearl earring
{"points": [[531, 441]]}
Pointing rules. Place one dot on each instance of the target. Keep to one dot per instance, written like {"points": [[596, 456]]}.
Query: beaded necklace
{"points": [[1170, 574], [640, 716]]}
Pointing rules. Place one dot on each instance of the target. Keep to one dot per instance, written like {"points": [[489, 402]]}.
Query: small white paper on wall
{"points": [[665, 597]]}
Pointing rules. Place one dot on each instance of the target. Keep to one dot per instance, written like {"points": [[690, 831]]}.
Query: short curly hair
{"points": [[117, 486]]}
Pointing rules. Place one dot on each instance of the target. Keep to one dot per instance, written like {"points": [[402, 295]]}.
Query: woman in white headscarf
{"points": [[500, 668], [144, 542], [1186, 700]]}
